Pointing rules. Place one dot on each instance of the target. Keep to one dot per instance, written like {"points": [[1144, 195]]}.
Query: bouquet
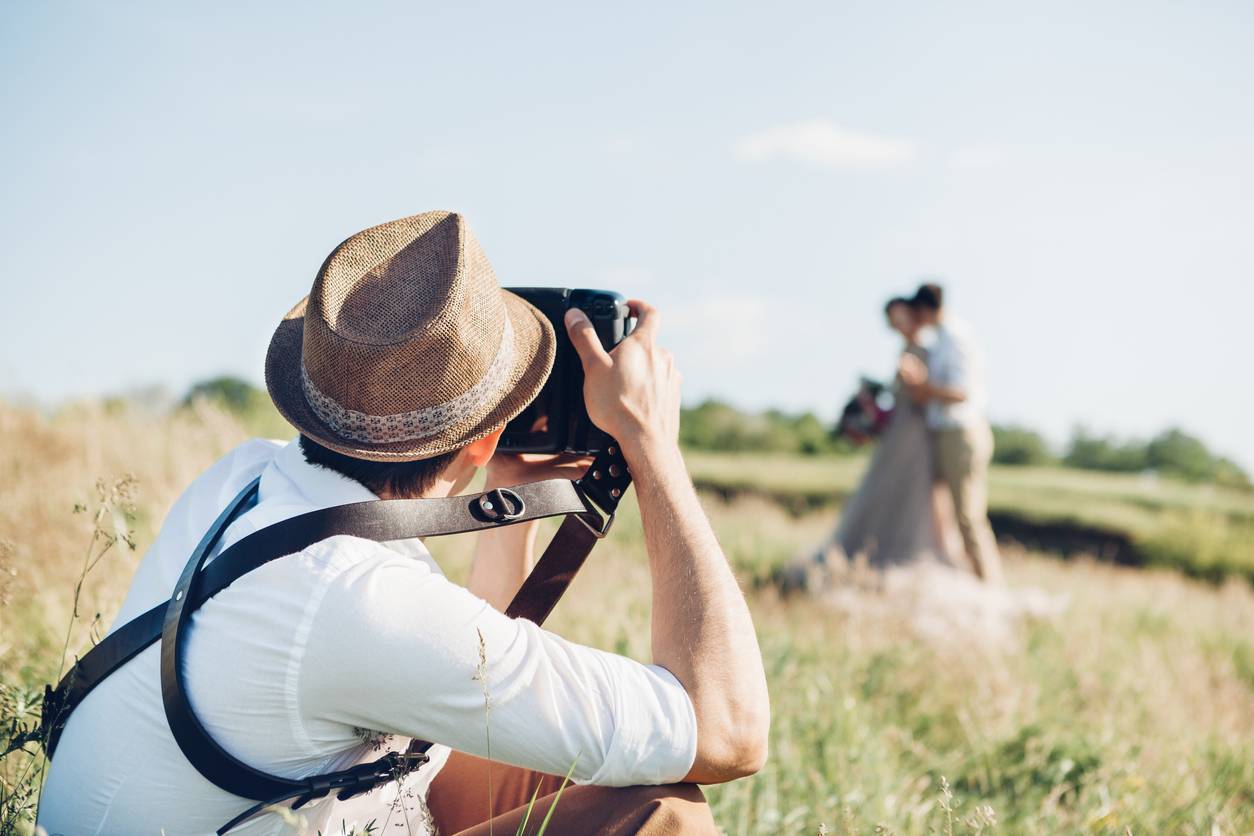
{"points": [[867, 413]]}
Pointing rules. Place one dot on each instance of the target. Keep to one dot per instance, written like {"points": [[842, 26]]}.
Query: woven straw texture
{"points": [[406, 346]]}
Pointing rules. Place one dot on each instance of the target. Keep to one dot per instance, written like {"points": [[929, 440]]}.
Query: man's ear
{"points": [[480, 452]]}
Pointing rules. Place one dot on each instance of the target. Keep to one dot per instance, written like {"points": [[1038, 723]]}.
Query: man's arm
{"points": [[914, 374], [702, 630], [503, 559], [504, 556], [396, 647], [945, 394]]}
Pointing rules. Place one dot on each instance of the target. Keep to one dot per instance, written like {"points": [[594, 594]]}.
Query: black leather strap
{"points": [[605, 483], [375, 520], [394, 519], [129, 640], [582, 502]]}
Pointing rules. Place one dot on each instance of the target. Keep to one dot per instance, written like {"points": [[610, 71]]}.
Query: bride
{"points": [[897, 515], [900, 524]]}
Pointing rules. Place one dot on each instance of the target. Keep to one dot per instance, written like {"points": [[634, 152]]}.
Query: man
{"points": [[951, 384], [400, 370]]}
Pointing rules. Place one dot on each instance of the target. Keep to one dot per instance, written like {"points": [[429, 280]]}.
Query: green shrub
{"points": [[1017, 445], [1177, 453], [1092, 452], [718, 426], [251, 404], [1172, 452]]}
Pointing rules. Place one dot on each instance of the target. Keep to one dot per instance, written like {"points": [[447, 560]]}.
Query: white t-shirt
{"points": [[322, 659], [954, 359]]}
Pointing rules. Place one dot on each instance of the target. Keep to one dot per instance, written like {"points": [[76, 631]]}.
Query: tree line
{"points": [[1172, 452], [717, 426]]}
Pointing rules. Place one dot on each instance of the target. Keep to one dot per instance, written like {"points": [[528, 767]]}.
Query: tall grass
{"points": [[1134, 709]]}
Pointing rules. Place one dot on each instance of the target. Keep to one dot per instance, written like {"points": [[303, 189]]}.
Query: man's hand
{"points": [[702, 631], [509, 469], [914, 375], [912, 370], [631, 392]]}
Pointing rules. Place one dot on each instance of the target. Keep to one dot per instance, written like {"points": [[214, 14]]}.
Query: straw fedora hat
{"points": [[406, 347]]}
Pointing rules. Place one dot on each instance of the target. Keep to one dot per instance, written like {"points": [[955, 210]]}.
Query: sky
{"points": [[1079, 176]]}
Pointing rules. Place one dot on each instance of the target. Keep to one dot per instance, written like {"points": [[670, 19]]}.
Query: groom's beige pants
{"points": [[962, 458]]}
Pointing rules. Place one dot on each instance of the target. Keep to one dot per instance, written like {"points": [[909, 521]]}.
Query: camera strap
{"points": [[588, 504]]}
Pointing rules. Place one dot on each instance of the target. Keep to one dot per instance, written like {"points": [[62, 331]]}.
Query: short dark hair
{"points": [[399, 479], [896, 300], [929, 297]]}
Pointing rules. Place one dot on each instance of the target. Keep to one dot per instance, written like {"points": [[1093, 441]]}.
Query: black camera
{"points": [[557, 420]]}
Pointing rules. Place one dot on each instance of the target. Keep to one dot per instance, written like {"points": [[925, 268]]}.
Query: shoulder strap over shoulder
{"points": [[126, 642], [583, 502]]}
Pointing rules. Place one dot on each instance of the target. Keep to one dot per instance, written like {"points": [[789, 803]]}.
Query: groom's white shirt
{"points": [[954, 359], [316, 660]]}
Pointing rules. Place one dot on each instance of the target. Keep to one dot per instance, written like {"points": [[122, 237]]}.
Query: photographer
{"points": [[400, 370]]}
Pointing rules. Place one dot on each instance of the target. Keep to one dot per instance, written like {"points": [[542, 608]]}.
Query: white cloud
{"points": [[823, 143]]}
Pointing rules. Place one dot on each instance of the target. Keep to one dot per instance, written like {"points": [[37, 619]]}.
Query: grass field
{"points": [[1204, 530], [1133, 710]]}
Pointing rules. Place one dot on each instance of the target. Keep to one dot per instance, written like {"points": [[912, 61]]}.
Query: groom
{"points": [[951, 385]]}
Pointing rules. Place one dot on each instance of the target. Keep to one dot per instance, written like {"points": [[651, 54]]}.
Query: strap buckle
{"points": [[364, 777], [599, 525], [500, 505]]}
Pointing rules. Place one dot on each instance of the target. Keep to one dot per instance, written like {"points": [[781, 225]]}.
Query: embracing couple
{"points": [[930, 469]]}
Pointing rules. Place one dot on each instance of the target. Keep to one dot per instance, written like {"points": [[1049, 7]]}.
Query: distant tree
{"points": [[232, 393], [1092, 452], [1015, 445], [1172, 452], [716, 425], [250, 404], [1177, 453], [812, 436]]}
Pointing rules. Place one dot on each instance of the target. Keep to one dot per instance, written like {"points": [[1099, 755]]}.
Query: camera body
{"points": [[556, 420]]}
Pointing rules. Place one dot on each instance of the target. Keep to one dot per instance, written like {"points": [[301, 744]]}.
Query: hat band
{"points": [[420, 423]]}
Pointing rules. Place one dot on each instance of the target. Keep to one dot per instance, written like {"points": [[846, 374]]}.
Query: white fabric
{"points": [[954, 359], [316, 660]]}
